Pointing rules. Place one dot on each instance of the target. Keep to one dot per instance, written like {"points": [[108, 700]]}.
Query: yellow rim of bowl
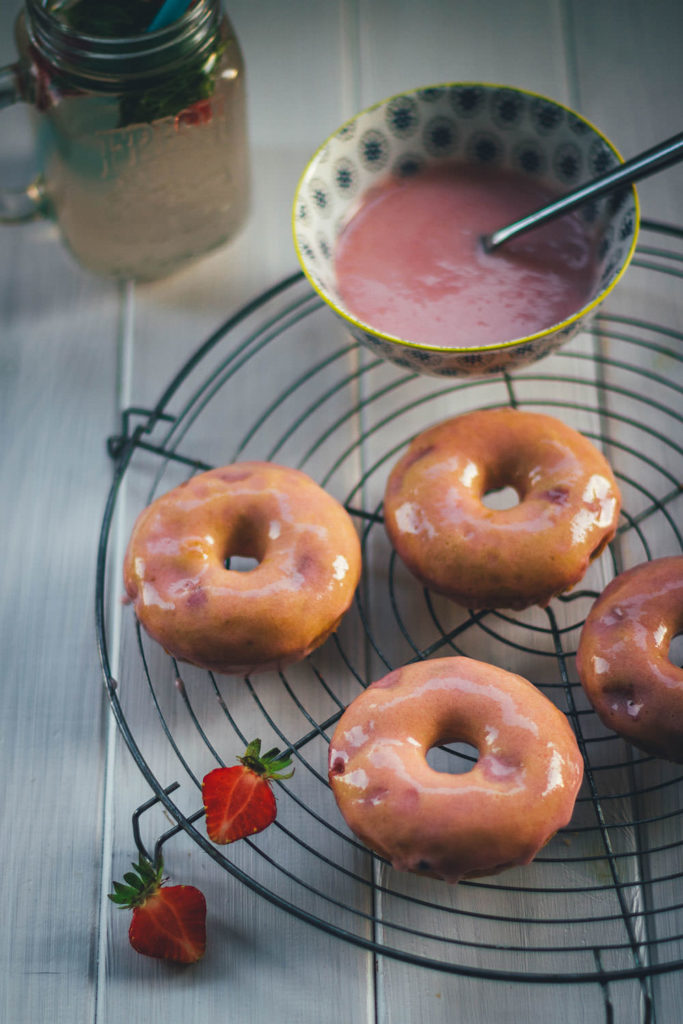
{"points": [[394, 339]]}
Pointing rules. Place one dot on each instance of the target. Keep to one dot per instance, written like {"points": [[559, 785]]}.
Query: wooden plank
{"points": [[622, 83], [253, 947], [408, 991], [642, 397], [58, 352], [467, 42], [465, 45], [279, 712]]}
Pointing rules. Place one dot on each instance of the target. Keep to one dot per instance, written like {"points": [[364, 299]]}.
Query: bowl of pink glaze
{"points": [[389, 213]]}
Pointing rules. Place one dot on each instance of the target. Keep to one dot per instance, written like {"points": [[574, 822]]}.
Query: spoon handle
{"points": [[655, 159]]}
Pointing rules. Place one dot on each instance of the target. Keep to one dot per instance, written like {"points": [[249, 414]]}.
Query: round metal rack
{"points": [[603, 902]]}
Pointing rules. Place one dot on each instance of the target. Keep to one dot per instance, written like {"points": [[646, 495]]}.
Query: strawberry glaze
{"points": [[623, 657], [218, 618], [519, 793], [480, 557], [409, 262]]}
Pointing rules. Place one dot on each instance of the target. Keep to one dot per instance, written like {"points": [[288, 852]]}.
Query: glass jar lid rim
{"points": [[130, 56]]}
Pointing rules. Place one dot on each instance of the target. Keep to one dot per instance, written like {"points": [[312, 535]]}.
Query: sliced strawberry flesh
{"points": [[238, 802]]}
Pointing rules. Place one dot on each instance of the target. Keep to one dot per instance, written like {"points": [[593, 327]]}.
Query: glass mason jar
{"points": [[141, 140]]}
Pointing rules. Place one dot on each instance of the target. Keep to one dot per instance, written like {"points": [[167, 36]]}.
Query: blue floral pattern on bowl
{"points": [[477, 123]]}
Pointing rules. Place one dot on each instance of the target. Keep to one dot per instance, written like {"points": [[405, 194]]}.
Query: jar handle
{"points": [[23, 204]]}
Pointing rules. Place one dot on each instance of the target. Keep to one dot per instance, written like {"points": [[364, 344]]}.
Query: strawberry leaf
{"points": [[269, 765], [143, 882]]}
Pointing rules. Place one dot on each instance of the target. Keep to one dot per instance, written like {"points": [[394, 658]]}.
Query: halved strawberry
{"points": [[168, 922], [238, 800]]}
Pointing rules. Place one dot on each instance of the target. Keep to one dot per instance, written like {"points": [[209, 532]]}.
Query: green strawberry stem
{"points": [[141, 883], [269, 765]]}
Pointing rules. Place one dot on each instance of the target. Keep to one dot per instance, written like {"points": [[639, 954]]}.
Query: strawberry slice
{"points": [[239, 800], [168, 922]]}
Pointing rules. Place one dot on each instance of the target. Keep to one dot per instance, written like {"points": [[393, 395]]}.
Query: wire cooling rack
{"points": [[604, 900]]}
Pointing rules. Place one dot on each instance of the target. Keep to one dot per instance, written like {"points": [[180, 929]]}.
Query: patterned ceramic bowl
{"points": [[481, 124]]}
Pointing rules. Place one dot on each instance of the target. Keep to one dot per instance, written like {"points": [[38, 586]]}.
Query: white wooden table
{"points": [[74, 352]]}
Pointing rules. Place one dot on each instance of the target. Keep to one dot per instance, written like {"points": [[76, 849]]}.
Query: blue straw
{"points": [[170, 11]]}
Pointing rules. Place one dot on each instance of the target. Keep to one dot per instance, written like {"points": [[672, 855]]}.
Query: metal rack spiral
{"points": [[603, 902]]}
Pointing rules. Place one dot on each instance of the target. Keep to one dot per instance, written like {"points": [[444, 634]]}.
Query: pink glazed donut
{"points": [[506, 558], [521, 790], [308, 568], [623, 657]]}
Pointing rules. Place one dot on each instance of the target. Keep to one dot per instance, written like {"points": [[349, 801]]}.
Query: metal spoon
{"points": [[655, 159]]}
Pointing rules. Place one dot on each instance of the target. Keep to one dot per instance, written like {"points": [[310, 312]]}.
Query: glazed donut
{"points": [[518, 794], [228, 621], [512, 558], [623, 657]]}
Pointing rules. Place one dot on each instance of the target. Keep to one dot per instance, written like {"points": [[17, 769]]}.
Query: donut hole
{"points": [[245, 544], [676, 651], [501, 498], [241, 563], [452, 758]]}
